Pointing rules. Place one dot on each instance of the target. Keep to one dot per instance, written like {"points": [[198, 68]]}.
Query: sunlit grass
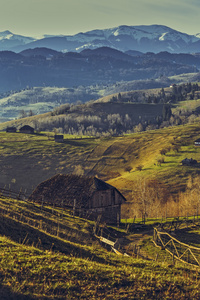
{"points": [[57, 268]]}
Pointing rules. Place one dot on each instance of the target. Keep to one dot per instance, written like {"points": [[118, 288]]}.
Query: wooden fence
{"points": [[46, 221], [178, 250], [8, 193], [178, 223], [115, 243]]}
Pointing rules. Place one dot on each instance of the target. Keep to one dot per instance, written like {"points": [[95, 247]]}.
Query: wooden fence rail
{"points": [[180, 251], [12, 194]]}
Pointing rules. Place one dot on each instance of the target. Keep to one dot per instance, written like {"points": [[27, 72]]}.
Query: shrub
{"points": [[139, 168], [128, 168]]}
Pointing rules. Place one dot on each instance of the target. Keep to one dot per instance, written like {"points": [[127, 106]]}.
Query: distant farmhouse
{"points": [[89, 196], [189, 162], [58, 138], [197, 142], [26, 129], [11, 129]]}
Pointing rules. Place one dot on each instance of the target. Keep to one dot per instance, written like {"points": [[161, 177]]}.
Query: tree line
{"points": [[81, 119]]}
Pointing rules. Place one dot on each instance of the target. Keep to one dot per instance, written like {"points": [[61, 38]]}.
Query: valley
{"points": [[100, 165], [27, 160]]}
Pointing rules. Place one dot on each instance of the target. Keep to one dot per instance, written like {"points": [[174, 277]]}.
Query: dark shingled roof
{"points": [[26, 127], [66, 188]]}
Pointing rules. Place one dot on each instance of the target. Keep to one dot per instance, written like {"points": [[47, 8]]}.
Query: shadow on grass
{"points": [[27, 235], [75, 142], [186, 236], [6, 293], [188, 151]]}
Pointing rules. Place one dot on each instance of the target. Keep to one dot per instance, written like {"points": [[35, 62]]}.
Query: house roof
{"points": [[11, 128], [26, 127], [66, 188]]}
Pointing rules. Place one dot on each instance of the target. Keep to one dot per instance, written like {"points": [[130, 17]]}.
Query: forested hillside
{"points": [[120, 113]]}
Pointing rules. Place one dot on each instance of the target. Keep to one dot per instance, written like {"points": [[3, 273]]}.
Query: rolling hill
{"points": [[44, 67], [38, 100], [49, 254], [27, 160]]}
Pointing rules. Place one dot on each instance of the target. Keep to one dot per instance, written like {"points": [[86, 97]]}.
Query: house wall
{"points": [[11, 130], [27, 131], [106, 198], [107, 204], [110, 214]]}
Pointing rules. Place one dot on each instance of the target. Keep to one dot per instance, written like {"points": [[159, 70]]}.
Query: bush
{"points": [[128, 169], [139, 168]]}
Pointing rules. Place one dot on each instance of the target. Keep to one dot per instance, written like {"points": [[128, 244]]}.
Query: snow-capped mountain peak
{"points": [[11, 38], [143, 38]]}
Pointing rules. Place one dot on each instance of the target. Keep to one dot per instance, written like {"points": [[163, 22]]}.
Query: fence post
{"points": [[42, 202], [74, 208], [173, 261], [138, 251], [62, 208], [9, 191], [20, 191], [156, 257]]}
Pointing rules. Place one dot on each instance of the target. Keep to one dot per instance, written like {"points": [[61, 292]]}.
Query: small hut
{"points": [[58, 138], [11, 129], [189, 162], [26, 129], [197, 142], [89, 196]]}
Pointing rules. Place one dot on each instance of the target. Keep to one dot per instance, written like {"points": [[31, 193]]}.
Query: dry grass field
{"points": [[47, 254]]}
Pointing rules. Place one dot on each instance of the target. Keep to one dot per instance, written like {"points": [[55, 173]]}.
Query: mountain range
{"points": [[145, 38], [46, 67]]}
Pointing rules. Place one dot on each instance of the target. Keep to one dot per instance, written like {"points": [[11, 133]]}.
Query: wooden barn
{"points": [[189, 162], [26, 129], [59, 138], [197, 142], [11, 129], [87, 195]]}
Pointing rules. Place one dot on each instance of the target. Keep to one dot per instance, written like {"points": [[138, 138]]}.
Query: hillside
{"points": [[48, 254], [92, 67], [27, 160], [39, 100]]}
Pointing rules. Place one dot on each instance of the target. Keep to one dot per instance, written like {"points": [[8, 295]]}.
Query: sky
{"points": [[38, 17]]}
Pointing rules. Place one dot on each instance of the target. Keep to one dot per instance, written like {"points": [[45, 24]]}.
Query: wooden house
{"points": [[189, 162], [11, 129], [26, 129], [89, 196], [197, 142], [59, 138], [197, 95]]}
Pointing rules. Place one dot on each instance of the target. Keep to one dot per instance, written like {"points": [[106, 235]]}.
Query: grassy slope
{"points": [[57, 268], [145, 149]]}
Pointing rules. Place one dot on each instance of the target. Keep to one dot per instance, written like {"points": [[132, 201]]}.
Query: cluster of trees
{"points": [[92, 125], [178, 93], [83, 119], [151, 199], [68, 119]]}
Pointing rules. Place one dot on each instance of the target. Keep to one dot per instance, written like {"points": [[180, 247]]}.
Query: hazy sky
{"points": [[38, 17]]}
